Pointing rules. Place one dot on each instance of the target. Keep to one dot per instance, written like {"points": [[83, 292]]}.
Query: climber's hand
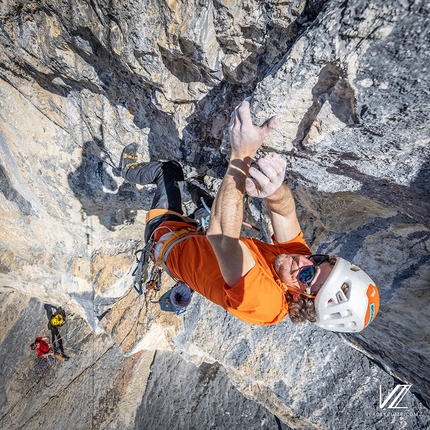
{"points": [[265, 182], [245, 137]]}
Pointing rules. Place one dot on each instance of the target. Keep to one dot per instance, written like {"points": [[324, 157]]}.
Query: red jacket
{"points": [[43, 347]]}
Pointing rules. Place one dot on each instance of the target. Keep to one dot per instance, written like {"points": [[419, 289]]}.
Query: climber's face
{"points": [[300, 271]]}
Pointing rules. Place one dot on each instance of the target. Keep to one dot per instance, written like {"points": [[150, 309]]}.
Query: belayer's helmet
{"points": [[348, 301]]}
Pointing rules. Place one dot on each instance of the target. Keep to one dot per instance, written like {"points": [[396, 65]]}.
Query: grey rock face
{"points": [[100, 387], [181, 396], [309, 378], [80, 80]]}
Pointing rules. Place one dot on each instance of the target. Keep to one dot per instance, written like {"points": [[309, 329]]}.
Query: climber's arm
{"points": [[283, 214], [233, 257]]}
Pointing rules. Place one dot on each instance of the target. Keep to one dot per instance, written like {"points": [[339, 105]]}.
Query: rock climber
{"points": [[43, 348], [257, 282], [57, 319]]}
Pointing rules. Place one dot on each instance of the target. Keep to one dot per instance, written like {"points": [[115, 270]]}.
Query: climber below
{"points": [[43, 348], [257, 282]]}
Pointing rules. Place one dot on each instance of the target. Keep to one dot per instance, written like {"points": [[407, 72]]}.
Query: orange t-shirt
{"points": [[257, 298]]}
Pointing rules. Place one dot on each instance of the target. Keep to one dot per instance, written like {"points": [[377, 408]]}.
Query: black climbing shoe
{"points": [[198, 192], [128, 159]]}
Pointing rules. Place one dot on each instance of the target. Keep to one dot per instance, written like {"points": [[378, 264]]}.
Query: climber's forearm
{"points": [[283, 214], [234, 258], [227, 209]]}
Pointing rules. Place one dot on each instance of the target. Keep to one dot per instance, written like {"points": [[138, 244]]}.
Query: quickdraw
{"points": [[147, 275]]}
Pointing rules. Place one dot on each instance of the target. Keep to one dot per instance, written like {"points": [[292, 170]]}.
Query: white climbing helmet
{"points": [[348, 301]]}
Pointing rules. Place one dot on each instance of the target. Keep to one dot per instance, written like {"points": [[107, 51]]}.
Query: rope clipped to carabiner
{"points": [[147, 275]]}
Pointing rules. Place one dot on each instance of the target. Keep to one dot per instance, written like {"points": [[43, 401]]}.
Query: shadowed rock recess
{"points": [[79, 80]]}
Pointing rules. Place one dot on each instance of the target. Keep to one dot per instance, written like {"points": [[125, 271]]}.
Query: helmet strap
{"points": [[297, 291]]}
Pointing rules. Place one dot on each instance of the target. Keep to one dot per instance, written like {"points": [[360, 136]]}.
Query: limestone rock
{"points": [[80, 80], [102, 388]]}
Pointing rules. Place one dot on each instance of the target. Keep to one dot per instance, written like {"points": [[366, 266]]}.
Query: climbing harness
{"points": [[167, 241], [151, 261], [147, 274]]}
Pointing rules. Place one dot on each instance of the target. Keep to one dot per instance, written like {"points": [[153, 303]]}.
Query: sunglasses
{"points": [[307, 273]]}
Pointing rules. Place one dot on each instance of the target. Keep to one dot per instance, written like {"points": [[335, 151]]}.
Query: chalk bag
{"points": [[176, 299]]}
